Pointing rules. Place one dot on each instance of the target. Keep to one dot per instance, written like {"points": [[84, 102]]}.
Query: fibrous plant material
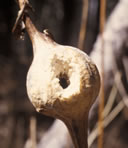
{"points": [[62, 81]]}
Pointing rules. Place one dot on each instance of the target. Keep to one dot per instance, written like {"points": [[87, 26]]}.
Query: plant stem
{"points": [[78, 131]]}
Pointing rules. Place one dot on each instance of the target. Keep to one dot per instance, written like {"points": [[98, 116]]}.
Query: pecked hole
{"points": [[64, 80]]}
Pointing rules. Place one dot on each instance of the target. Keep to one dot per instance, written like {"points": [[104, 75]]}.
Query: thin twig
{"points": [[121, 88], [93, 135], [110, 102], [101, 100], [107, 121], [33, 131], [83, 25]]}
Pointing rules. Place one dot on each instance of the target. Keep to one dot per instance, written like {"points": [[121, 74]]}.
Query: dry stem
{"points": [[82, 33]]}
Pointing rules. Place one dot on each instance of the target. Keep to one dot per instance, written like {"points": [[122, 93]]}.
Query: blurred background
{"points": [[18, 117]]}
